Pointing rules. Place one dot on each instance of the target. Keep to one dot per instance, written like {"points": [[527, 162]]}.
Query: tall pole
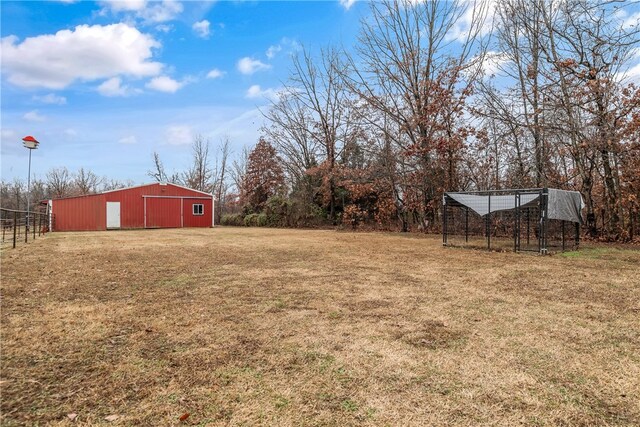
{"points": [[28, 191], [29, 143]]}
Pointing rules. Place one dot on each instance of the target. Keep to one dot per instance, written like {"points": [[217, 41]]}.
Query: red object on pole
{"points": [[30, 142]]}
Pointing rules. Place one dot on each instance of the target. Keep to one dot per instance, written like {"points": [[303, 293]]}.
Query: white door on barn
{"points": [[113, 214]]}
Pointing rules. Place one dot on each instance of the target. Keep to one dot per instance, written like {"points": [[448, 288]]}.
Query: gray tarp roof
{"points": [[562, 204], [565, 205]]}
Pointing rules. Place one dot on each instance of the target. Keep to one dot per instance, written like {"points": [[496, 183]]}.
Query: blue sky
{"points": [[104, 84]]}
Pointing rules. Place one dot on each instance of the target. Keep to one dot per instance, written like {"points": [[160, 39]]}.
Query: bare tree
{"points": [[13, 194], [115, 184], [587, 47], [38, 192], [86, 182], [559, 120], [157, 172], [220, 185], [6, 189], [288, 128], [318, 88], [514, 117], [239, 169], [199, 175], [404, 69], [59, 182]]}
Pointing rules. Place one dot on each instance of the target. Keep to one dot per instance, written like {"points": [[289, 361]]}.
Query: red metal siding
{"points": [[191, 220], [89, 212], [80, 213], [131, 206], [163, 213]]}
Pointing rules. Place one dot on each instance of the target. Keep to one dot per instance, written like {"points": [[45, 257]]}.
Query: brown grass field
{"points": [[239, 326]]}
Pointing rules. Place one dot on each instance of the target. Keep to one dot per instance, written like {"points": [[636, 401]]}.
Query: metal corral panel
{"points": [[80, 213], [166, 206]]}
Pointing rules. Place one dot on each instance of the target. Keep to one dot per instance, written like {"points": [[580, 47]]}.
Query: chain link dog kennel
{"points": [[532, 219]]}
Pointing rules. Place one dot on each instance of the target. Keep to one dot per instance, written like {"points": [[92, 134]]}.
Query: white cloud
{"points": [[34, 116], [85, 53], [165, 84], [273, 50], [201, 28], [161, 12], [179, 135], [255, 92], [249, 65], [164, 28], [625, 20], [8, 135], [51, 98], [71, 132], [128, 140], [494, 62], [148, 11], [347, 3], [477, 17], [286, 44], [631, 75], [125, 5], [631, 21], [215, 73], [113, 87]]}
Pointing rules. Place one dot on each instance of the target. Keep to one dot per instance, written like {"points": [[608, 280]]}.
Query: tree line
{"points": [[375, 136], [57, 183]]}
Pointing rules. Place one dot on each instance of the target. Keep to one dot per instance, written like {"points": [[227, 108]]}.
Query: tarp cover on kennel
{"points": [[562, 204], [565, 205]]}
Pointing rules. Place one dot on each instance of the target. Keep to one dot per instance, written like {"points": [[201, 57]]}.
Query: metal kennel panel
{"points": [[515, 220]]}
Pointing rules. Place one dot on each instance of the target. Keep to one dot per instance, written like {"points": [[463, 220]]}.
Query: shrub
{"points": [[304, 214], [261, 220], [253, 220], [247, 210], [232, 219], [250, 220], [278, 211]]}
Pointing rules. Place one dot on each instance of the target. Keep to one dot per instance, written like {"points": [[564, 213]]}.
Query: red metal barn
{"points": [[156, 205]]}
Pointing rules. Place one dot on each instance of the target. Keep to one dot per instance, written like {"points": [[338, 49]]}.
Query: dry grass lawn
{"points": [[250, 327]]}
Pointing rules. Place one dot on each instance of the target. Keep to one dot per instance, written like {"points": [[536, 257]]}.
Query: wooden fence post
{"points": [[26, 228], [34, 226], [15, 228]]}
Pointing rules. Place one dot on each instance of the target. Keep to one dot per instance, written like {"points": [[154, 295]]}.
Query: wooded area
{"points": [[537, 97], [436, 96]]}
